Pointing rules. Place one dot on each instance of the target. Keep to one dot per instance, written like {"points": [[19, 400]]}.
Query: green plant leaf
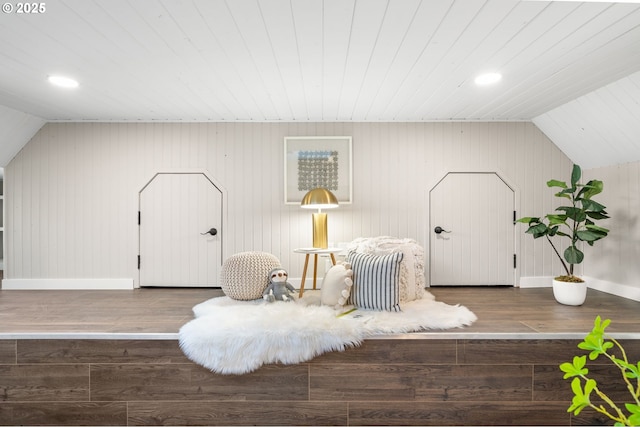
{"points": [[576, 214], [597, 228], [592, 188], [589, 236], [593, 206], [576, 174], [557, 219], [565, 208], [556, 183], [573, 255], [580, 397], [599, 325], [575, 368], [537, 230], [632, 371], [634, 410], [597, 215], [595, 340], [529, 220]]}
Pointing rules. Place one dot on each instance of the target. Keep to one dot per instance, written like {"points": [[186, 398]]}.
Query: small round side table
{"points": [[315, 252]]}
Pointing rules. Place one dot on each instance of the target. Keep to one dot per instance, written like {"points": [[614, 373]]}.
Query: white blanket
{"points": [[235, 337]]}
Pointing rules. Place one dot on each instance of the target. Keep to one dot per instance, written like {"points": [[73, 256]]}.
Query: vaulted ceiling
{"points": [[326, 60]]}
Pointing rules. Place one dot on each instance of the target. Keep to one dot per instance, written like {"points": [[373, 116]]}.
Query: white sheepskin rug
{"points": [[235, 337]]}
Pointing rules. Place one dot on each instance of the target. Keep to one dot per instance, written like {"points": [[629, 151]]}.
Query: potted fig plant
{"points": [[575, 221]]}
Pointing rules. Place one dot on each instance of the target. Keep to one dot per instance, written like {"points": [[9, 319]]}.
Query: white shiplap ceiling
{"points": [[312, 60], [598, 129]]}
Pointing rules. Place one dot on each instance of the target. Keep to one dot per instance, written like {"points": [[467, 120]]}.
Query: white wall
{"points": [[615, 261], [71, 193]]}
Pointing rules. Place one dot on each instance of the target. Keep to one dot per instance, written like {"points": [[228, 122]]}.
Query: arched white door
{"points": [[475, 243], [175, 210]]}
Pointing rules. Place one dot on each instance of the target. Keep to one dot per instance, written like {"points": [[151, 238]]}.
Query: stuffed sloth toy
{"points": [[279, 289]]}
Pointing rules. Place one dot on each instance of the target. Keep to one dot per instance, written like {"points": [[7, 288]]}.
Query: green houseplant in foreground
{"points": [[597, 343]]}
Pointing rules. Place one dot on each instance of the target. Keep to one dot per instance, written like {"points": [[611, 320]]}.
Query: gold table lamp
{"points": [[319, 198]]}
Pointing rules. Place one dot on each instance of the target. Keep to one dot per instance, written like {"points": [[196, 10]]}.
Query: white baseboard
{"points": [[624, 291], [536, 282], [100, 284], [66, 284], [617, 289]]}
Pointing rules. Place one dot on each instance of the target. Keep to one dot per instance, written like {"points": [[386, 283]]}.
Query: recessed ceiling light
{"points": [[488, 79], [62, 81]]}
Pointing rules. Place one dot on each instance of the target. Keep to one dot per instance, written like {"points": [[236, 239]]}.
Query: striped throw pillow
{"points": [[376, 281]]}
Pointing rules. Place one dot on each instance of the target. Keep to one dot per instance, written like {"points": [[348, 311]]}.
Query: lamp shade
{"points": [[319, 198]]}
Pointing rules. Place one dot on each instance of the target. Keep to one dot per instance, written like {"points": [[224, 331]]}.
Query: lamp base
{"points": [[320, 240]]}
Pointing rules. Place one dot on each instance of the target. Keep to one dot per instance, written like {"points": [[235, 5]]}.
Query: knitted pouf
{"points": [[245, 275]]}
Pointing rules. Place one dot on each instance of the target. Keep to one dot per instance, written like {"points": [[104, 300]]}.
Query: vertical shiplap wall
{"points": [[72, 191], [615, 258]]}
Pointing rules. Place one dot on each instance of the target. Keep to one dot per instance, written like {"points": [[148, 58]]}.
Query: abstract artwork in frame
{"points": [[317, 161]]}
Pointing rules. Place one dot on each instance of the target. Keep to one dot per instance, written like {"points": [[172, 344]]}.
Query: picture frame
{"points": [[318, 161]]}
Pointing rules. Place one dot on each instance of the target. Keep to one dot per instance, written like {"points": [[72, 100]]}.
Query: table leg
{"points": [[315, 269], [304, 275], [333, 258]]}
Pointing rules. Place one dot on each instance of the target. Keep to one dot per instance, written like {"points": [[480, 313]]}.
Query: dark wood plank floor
{"points": [[164, 310]]}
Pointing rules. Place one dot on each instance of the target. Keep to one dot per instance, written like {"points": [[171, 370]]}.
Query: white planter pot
{"points": [[570, 293]]}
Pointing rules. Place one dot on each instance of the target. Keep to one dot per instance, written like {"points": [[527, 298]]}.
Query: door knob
{"points": [[212, 231], [439, 230]]}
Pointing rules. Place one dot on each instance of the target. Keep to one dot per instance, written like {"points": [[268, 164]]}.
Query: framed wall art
{"points": [[317, 161]]}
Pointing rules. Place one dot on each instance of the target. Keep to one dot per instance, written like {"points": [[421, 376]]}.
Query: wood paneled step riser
{"points": [[383, 382]]}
